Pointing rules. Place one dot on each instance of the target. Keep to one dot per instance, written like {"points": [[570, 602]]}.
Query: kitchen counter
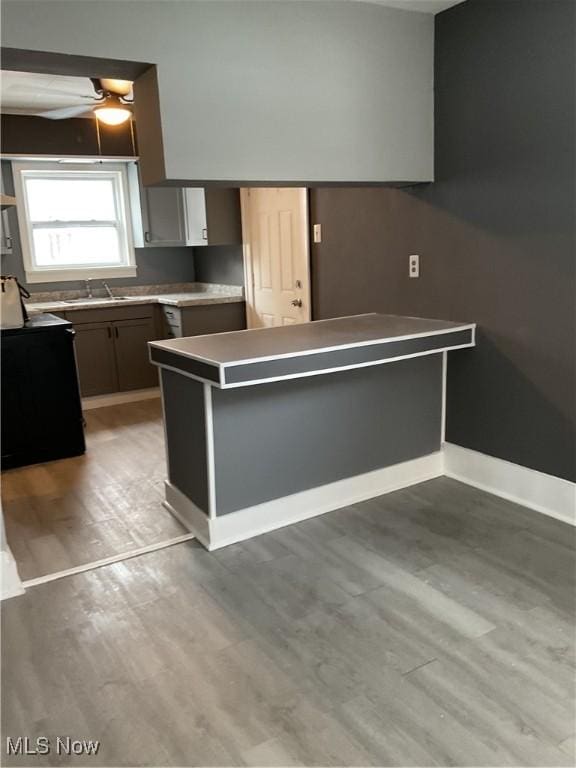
{"points": [[269, 426], [265, 354], [193, 294]]}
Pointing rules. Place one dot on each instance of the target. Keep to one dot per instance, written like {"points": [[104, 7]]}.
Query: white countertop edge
{"points": [[306, 374]]}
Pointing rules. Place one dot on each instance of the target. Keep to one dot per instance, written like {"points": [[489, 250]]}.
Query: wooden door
{"points": [[95, 359], [276, 256], [131, 339]]}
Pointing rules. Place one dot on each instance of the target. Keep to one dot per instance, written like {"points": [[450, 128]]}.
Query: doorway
{"points": [[276, 256]]}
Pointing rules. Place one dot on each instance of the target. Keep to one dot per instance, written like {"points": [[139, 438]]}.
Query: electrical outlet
{"points": [[414, 266], [317, 233]]}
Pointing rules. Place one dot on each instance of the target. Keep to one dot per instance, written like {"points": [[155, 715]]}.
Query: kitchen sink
{"points": [[96, 300]]}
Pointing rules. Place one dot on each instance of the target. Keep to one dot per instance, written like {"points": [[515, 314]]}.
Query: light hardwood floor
{"points": [[67, 513], [431, 626]]}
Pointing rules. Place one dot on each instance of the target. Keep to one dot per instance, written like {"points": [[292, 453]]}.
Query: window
{"points": [[74, 221]]}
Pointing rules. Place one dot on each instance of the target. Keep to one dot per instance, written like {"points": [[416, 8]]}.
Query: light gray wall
{"points": [[264, 91]]}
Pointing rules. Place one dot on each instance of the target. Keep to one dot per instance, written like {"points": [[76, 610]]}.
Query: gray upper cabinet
{"points": [[163, 217], [175, 216], [9, 213], [5, 233]]}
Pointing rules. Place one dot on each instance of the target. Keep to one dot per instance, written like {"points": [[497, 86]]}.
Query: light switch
{"points": [[414, 266], [317, 233]]}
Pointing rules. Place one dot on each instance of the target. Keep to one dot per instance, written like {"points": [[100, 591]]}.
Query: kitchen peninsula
{"points": [[269, 426]]}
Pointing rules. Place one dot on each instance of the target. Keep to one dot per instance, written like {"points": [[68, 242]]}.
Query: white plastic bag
{"points": [[12, 312]]}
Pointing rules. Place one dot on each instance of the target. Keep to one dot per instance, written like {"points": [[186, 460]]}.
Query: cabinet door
{"points": [[5, 236], [195, 206], [163, 216], [95, 358], [131, 339], [213, 216]]}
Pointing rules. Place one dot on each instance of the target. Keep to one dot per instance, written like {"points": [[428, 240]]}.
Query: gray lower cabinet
{"points": [[112, 344], [131, 339], [95, 357], [209, 318], [112, 349]]}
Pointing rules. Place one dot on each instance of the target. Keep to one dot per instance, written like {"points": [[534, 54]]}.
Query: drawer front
{"points": [[110, 314], [172, 315], [213, 318], [172, 322]]}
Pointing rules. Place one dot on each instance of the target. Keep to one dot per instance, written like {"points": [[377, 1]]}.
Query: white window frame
{"points": [[115, 171]]}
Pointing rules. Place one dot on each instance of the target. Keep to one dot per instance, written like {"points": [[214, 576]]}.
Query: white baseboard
{"points": [[544, 493], [118, 398], [11, 585], [187, 513], [237, 526]]}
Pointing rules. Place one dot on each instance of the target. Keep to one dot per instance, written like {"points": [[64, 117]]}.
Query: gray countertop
{"points": [[190, 296], [240, 358], [290, 340]]}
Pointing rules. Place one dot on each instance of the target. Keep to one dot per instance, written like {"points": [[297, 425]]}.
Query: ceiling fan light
{"points": [[112, 115], [119, 87]]}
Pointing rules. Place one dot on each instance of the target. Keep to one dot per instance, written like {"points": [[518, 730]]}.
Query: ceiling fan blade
{"points": [[40, 89], [65, 112]]}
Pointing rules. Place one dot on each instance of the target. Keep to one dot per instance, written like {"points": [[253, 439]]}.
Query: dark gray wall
{"points": [[155, 265], [495, 233], [219, 264], [24, 134], [272, 440], [186, 436]]}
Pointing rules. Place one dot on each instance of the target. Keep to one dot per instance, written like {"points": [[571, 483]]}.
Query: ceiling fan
{"points": [[112, 103]]}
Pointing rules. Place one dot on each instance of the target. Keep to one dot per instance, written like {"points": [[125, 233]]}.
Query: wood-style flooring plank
{"points": [[408, 630], [75, 511]]}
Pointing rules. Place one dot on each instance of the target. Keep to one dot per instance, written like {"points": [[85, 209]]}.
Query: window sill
{"points": [[65, 275]]}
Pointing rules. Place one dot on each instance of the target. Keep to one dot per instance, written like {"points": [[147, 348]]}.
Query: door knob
{"points": [[296, 302]]}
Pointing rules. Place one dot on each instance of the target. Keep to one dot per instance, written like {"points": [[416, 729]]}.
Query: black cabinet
{"points": [[41, 410]]}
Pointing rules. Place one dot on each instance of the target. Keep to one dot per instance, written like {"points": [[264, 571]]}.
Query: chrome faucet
{"points": [[107, 289], [88, 288]]}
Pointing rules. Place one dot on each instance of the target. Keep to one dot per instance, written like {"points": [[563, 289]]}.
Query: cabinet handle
{"points": [[116, 331], [109, 332], [147, 237], [204, 234], [9, 243]]}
